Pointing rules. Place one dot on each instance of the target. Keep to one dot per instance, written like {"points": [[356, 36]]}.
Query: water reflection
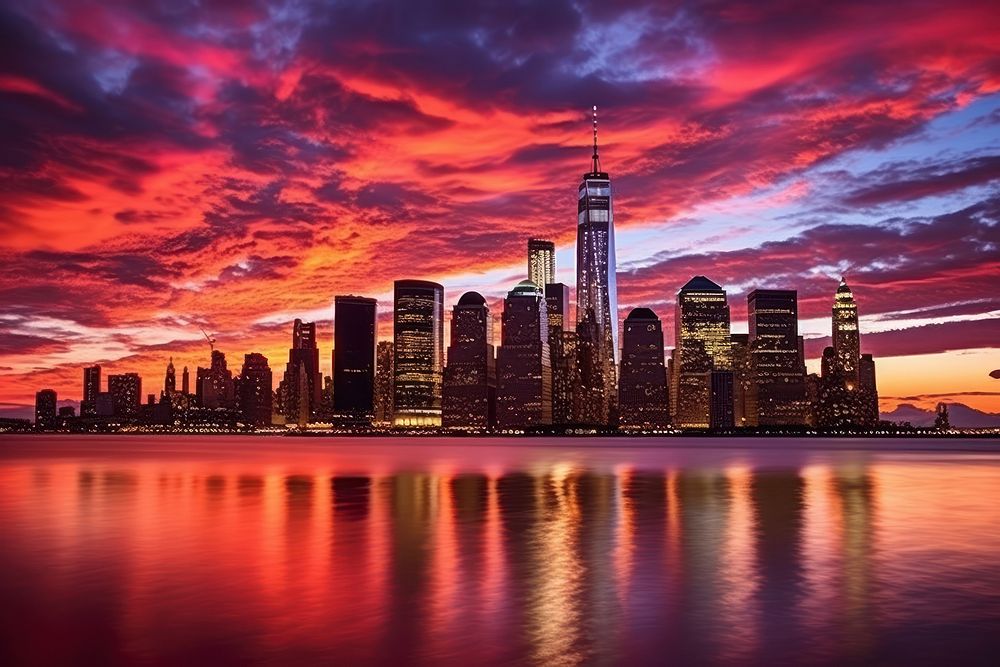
{"points": [[545, 562]]}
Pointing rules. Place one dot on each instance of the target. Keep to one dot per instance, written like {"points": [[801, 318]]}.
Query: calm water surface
{"points": [[184, 550]]}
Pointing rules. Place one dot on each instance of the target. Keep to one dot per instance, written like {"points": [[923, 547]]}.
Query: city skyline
{"points": [[156, 190]]}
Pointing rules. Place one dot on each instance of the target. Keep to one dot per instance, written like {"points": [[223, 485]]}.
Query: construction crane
{"points": [[211, 341]]}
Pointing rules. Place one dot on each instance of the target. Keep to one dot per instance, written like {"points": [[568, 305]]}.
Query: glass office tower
{"points": [[596, 288], [418, 349]]}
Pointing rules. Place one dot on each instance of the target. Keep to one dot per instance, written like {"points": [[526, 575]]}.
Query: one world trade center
{"points": [[596, 288]]}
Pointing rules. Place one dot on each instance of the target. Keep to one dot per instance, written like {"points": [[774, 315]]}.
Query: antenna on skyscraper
{"points": [[211, 341], [597, 164]]}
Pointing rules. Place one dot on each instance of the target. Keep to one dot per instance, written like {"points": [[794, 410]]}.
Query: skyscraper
{"points": [[469, 395], [596, 287], [126, 394], [254, 395], [642, 394], [702, 344], [541, 262], [848, 395], [91, 388], [45, 410], [846, 336], [185, 382], [562, 353], [302, 383], [354, 361], [383, 382], [170, 379], [214, 385], [418, 348], [524, 371], [869, 412], [778, 392]]}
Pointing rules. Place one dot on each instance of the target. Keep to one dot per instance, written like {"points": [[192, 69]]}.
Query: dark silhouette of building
{"points": [[643, 398], [869, 412], [384, 378], [941, 420], [703, 344], [214, 385], [91, 388], [105, 404], [354, 359], [186, 382], [777, 391], [418, 348], [46, 418], [596, 286], [126, 395], [469, 394], [170, 379], [524, 371], [254, 390], [302, 384], [541, 262]]}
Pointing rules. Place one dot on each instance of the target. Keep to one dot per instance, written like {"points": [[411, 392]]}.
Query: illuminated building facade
{"points": [[720, 409], [596, 286], [591, 403], [703, 344], [846, 335], [91, 388], [383, 383], [643, 398], [254, 394], [470, 387], [777, 391], [848, 396], [524, 372], [562, 353], [46, 418], [125, 391], [418, 365], [541, 262], [354, 358]]}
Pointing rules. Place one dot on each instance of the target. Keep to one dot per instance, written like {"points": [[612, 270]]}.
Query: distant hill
{"points": [[959, 414]]}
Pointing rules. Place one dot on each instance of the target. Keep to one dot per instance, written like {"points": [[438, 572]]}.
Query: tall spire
{"points": [[596, 167]]}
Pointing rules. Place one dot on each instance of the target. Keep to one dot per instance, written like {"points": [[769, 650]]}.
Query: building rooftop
{"points": [[700, 283], [641, 314], [526, 287], [472, 299]]}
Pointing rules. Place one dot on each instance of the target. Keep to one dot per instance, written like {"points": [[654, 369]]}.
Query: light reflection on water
{"points": [[168, 550]]}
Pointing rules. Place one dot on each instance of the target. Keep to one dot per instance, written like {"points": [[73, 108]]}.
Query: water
{"points": [[176, 550]]}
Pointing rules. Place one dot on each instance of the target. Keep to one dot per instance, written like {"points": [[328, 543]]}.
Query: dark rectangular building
{"points": [[354, 322]]}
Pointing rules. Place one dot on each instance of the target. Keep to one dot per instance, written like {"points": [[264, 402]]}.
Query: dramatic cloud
{"points": [[170, 166]]}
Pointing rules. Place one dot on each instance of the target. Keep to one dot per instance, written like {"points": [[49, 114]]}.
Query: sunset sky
{"points": [[234, 165]]}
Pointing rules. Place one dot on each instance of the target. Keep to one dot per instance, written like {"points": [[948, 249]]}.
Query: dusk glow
{"points": [[233, 166]]}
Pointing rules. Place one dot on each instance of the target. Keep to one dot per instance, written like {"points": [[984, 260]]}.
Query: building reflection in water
{"points": [[554, 563]]}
